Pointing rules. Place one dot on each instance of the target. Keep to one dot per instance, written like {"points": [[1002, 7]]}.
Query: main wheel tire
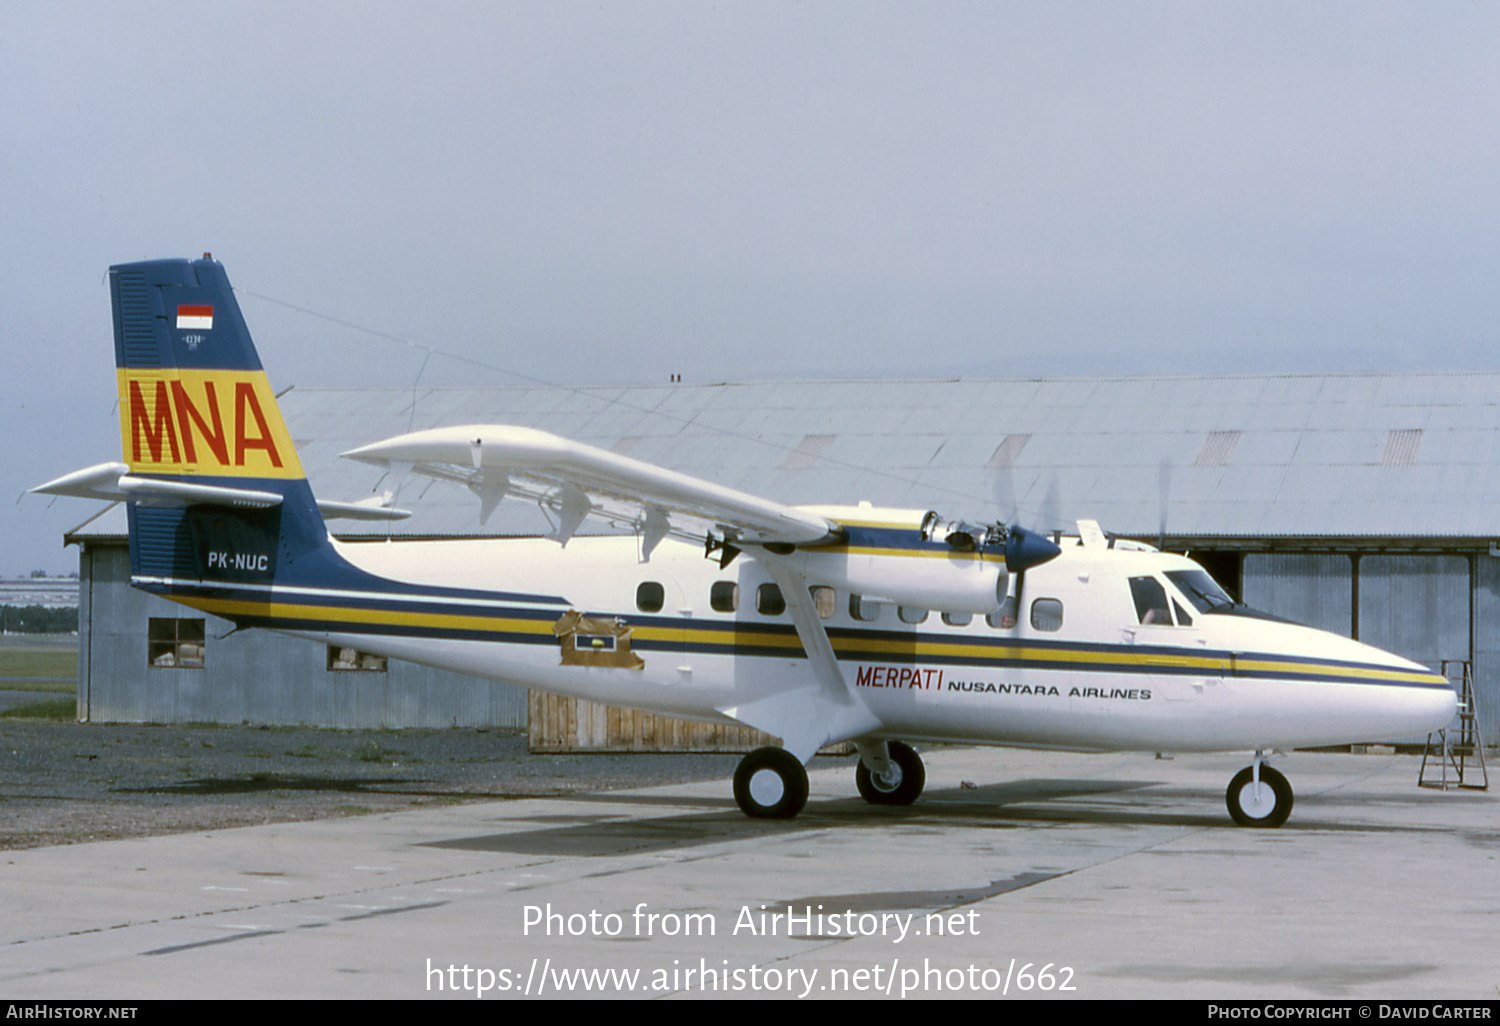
{"points": [[904, 784], [770, 783], [1268, 808]]}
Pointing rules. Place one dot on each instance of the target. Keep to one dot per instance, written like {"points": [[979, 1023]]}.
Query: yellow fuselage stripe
{"points": [[864, 649]]}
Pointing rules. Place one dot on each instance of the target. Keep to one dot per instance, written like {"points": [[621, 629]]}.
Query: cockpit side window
{"points": [[1150, 601], [1183, 620]]}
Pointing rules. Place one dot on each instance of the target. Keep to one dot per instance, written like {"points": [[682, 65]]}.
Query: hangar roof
{"points": [[1247, 457]]}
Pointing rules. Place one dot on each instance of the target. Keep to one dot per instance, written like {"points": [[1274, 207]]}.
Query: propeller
{"points": [[1164, 497], [1051, 517], [1023, 548]]}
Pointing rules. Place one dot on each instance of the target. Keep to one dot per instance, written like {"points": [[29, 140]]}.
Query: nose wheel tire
{"points": [[902, 786], [1267, 807], [770, 783]]}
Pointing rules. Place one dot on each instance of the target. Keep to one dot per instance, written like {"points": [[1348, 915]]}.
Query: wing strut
{"points": [[808, 718]]}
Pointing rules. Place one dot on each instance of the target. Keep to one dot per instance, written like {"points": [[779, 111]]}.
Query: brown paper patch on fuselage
{"points": [[595, 641]]}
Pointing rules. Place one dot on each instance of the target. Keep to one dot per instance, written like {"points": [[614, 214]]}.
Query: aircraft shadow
{"points": [[267, 783], [999, 806]]}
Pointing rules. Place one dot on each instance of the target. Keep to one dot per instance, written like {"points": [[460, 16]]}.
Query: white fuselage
{"points": [[1077, 669]]}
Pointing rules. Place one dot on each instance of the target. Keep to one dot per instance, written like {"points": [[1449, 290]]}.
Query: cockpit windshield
{"points": [[1201, 590]]}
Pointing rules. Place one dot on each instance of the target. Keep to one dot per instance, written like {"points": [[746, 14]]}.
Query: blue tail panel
{"points": [[195, 406]]}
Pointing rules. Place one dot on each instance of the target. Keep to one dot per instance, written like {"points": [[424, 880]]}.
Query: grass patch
{"points": [[374, 753], [51, 687], [44, 709], [306, 752], [45, 662]]}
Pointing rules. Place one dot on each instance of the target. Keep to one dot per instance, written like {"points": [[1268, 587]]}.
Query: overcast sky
{"points": [[588, 193]]}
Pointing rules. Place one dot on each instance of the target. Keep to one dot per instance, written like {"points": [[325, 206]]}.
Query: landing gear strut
{"points": [[900, 784], [770, 783], [1258, 796]]}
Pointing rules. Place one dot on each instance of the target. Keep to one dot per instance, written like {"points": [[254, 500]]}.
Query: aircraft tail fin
{"points": [[217, 491]]}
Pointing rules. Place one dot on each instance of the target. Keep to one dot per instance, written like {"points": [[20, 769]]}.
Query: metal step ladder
{"points": [[1456, 749]]}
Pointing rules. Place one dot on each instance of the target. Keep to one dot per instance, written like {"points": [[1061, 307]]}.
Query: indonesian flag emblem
{"points": [[195, 317]]}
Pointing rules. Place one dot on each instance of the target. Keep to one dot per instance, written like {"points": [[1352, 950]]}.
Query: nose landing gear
{"points": [[1258, 796]]}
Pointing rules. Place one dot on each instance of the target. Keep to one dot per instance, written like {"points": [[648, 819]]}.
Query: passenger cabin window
{"points": [[911, 614], [1150, 601], [1005, 618], [1047, 614], [724, 597], [768, 600], [958, 619], [650, 597], [862, 609], [823, 600]]}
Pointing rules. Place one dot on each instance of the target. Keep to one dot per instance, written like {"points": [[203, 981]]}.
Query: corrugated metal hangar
{"points": [[1368, 505]]}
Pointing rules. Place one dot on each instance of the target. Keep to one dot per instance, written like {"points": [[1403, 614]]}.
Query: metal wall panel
{"points": [[255, 676], [1313, 589], [1487, 646], [1415, 606]]}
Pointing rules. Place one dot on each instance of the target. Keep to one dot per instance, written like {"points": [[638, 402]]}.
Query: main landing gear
{"points": [[771, 783], [899, 783], [1258, 796]]}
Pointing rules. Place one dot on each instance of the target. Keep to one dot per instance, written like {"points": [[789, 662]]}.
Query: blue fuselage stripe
{"points": [[397, 616]]}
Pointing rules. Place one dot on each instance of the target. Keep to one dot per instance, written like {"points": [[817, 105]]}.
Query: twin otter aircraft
{"points": [[814, 624]]}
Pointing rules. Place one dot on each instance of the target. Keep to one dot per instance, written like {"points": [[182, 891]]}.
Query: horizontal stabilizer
{"points": [[113, 482], [618, 488]]}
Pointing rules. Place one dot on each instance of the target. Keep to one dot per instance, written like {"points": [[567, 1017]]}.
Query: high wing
{"points": [[572, 480]]}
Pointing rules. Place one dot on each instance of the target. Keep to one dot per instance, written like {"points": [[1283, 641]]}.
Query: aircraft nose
{"points": [[1428, 698], [1441, 707]]}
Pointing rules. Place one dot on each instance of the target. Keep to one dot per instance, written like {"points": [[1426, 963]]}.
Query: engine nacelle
{"points": [[906, 557]]}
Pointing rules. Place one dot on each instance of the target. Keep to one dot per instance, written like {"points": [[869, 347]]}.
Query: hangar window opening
{"points": [[650, 596], [768, 600], [352, 660], [1047, 614], [172, 643], [724, 596], [862, 609], [1150, 601]]}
